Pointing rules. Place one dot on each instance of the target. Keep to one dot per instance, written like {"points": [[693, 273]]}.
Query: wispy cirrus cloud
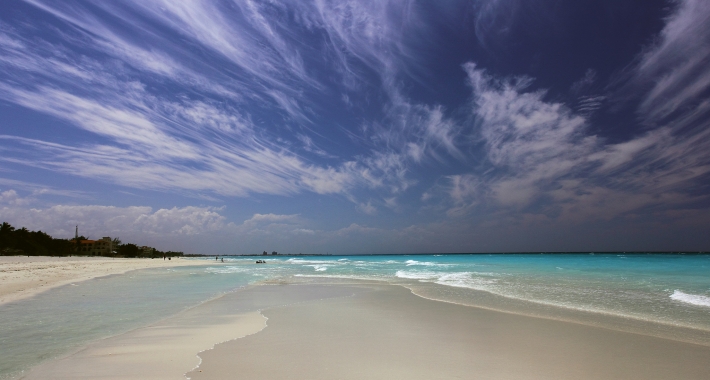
{"points": [[590, 76], [541, 158], [529, 140], [674, 68], [226, 99], [382, 37], [249, 53], [35, 189], [151, 152]]}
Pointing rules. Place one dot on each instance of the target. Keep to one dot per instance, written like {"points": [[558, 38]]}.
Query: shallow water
{"points": [[665, 295], [670, 291], [60, 320]]}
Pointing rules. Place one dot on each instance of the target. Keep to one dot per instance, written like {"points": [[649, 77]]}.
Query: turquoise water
{"points": [[668, 289], [672, 291], [63, 319]]}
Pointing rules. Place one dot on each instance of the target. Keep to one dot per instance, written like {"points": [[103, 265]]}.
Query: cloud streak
{"points": [[392, 109], [150, 139], [675, 67], [542, 159]]}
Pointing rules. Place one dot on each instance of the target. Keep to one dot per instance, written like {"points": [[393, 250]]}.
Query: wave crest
{"points": [[692, 299]]}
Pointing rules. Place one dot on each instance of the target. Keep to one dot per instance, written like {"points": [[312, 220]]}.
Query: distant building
{"points": [[264, 254], [274, 253], [101, 247]]}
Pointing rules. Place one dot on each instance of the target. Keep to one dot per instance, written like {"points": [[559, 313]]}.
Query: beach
{"points": [[365, 330], [24, 276], [325, 318], [386, 332], [373, 189]]}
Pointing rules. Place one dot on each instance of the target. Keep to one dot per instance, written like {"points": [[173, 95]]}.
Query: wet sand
{"points": [[389, 333], [168, 349], [359, 330], [24, 276]]}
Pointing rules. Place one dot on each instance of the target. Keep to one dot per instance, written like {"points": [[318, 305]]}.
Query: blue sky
{"points": [[359, 126]]}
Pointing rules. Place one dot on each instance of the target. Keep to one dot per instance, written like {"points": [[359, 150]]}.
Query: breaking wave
{"points": [[692, 299]]}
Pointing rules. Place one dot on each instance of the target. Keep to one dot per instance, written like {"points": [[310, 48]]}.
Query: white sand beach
{"points": [[364, 330], [25, 276]]}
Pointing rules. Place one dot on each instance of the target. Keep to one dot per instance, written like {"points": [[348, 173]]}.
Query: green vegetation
{"points": [[132, 250], [37, 243]]}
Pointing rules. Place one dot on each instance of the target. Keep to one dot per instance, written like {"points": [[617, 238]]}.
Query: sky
{"points": [[364, 126]]}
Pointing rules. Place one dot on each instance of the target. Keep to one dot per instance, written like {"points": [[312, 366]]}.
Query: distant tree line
{"points": [[132, 250], [37, 243]]}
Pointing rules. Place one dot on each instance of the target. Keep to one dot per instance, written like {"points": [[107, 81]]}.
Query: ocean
{"points": [[665, 295]]}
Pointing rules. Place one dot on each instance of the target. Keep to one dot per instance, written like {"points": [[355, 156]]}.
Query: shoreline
{"points": [[488, 300], [342, 323], [390, 332], [595, 318], [172, 347], [37, 274], [230, 317], [22, 277]]}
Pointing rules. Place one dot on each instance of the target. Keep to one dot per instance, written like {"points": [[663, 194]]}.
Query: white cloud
{"points": [[382, 37], [185, 221], [391, 203], [59, 220], [217, 99], [125, 126], [92, 33], [676, 66], [465, 191], [588, 104], [11, 197], [367, 208], [494, 19], [590, 76], [261, 219], [531, 141], [618, 155], [541, 157], [204, 230], [371, 32], [148, 139], [36, 189], [165, 145], [310, 146]]}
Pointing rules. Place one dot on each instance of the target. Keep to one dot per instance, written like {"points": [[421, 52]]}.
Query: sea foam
{"points": [[425, 263], [417, 275], [455, 279], [318, 267], [227, 269], [465, 280], [302, 261], [692, 299]]}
